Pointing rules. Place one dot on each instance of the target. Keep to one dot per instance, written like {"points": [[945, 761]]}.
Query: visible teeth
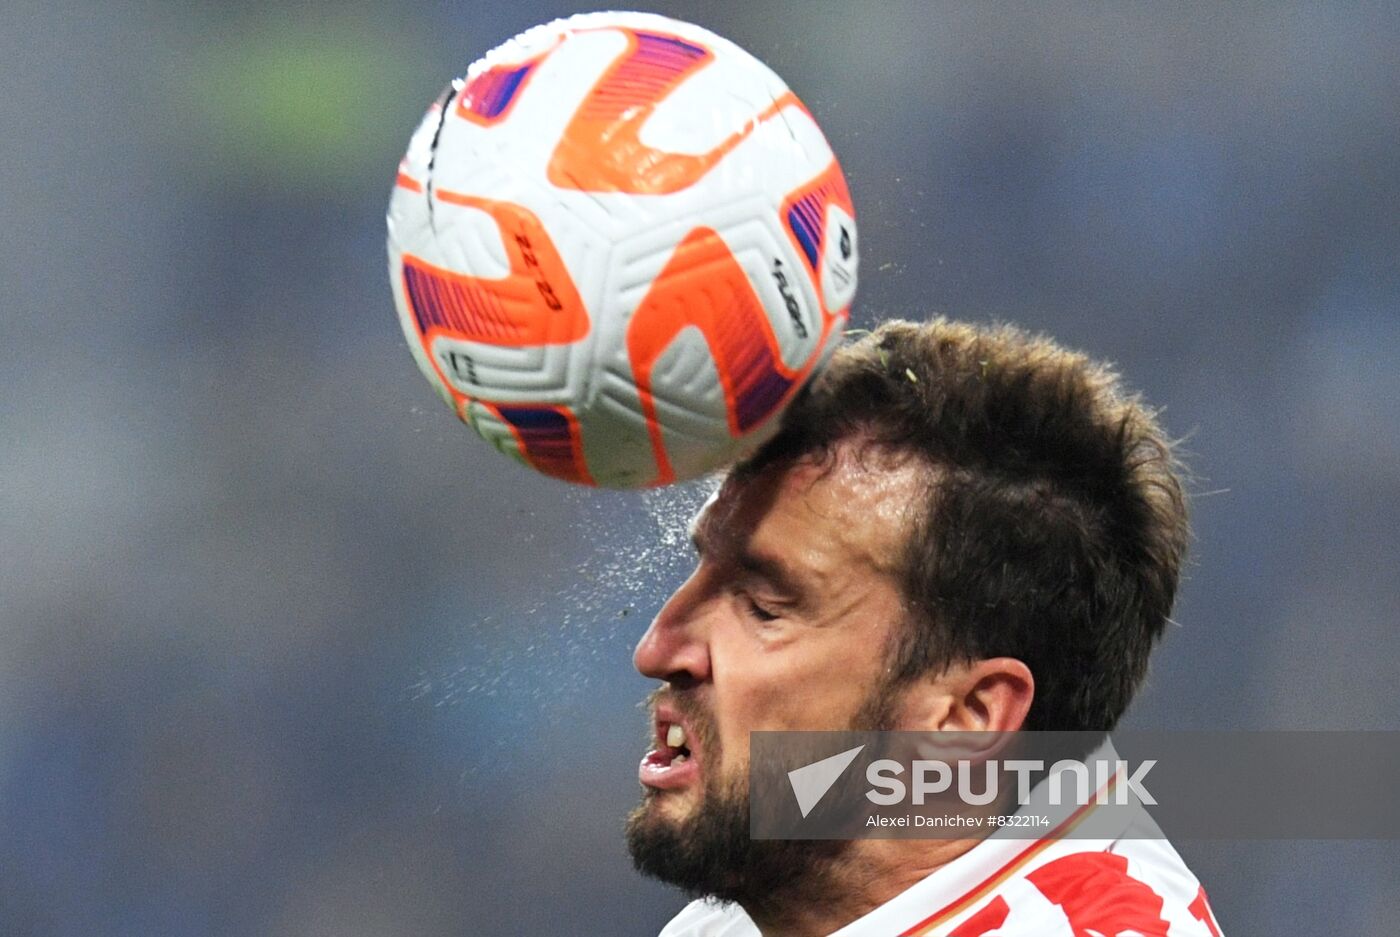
{"points": [[675, 736], [678, 760]]}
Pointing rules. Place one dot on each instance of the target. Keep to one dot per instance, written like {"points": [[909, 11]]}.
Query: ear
{"points": [[994, 695], [991, 695]]}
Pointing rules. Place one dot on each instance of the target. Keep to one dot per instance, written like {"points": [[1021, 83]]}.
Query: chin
{"points": [[705, 850], [676, 806]]}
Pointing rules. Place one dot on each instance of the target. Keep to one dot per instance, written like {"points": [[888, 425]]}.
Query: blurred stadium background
{"points": [[285, 651]]}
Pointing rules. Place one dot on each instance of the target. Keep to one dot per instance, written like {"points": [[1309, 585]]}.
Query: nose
{"points": [[675, 647]]}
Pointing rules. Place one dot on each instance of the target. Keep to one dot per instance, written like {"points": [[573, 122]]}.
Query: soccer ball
{"points": [[619, 247]]}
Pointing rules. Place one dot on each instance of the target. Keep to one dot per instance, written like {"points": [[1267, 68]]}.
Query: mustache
{"points": [[688, 705]]}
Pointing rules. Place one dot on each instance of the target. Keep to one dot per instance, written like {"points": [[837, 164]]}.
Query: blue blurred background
{"points": [[284, 650]]}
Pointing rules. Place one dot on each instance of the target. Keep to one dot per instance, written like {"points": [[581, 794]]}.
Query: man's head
{"points": [[955, 528]]}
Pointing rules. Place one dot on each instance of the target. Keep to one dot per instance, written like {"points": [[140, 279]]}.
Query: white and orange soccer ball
{"points": [[619, 247]]}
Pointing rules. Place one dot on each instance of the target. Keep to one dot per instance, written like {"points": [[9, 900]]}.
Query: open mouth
{"points": [[673, 749], [672, 762]]}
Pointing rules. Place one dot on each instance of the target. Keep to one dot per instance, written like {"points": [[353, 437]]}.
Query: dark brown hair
{"points": [[1055, 525]]}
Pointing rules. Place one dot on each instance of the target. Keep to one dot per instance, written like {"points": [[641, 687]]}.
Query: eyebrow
{"points": [[770, 568], [773, 570]]}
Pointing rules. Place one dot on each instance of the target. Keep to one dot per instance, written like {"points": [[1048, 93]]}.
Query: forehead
{"points": [[853, 506]]}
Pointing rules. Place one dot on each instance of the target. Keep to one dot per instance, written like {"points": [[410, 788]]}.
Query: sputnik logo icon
{"points": [[811, 782]]}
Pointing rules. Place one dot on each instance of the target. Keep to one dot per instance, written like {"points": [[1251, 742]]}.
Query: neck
{"points": [[869, 874]]}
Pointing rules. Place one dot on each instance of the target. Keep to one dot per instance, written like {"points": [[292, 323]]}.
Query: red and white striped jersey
{"points": [[1129, 886]]}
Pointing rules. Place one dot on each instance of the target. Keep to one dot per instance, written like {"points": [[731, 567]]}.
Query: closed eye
{"points": [[758, 611]]}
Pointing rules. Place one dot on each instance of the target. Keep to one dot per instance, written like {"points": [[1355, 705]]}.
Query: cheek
{"points": [[748, 697], [818, 683]]}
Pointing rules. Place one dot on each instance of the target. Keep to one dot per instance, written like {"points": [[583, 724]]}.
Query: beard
{"points": [[710, 854]]}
